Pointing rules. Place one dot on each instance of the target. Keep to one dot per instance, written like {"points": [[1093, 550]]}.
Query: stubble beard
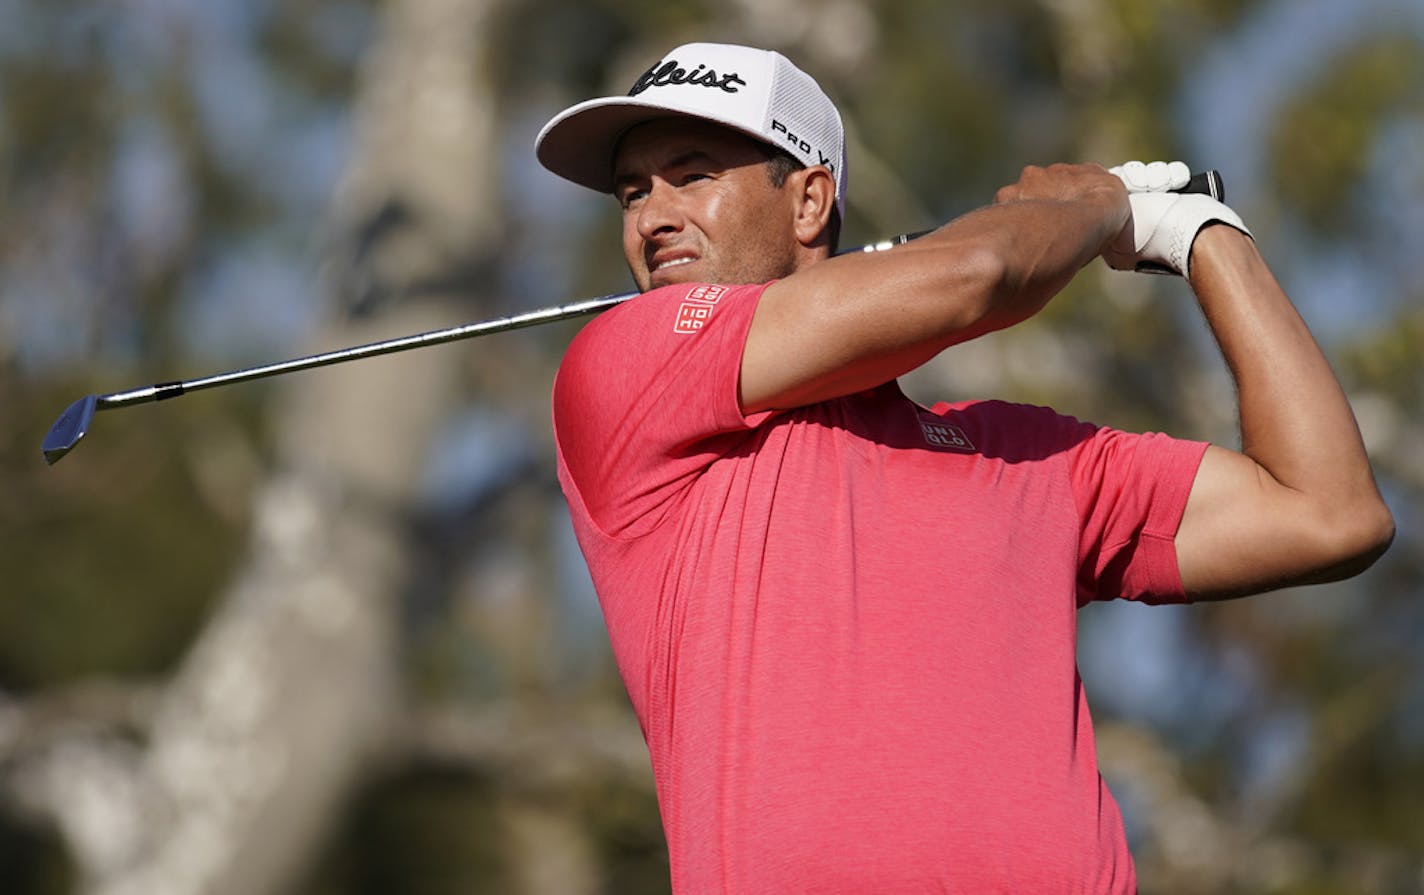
{"points": [[735, 267]]}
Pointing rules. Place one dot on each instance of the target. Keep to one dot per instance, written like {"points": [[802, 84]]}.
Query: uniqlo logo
{"points": [[707, 293], [946, 436], [691, 316]]}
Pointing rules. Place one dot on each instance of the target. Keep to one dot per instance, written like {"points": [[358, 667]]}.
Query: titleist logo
{"points": [[663, 74]]}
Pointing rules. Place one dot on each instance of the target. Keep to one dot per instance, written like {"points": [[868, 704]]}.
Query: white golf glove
{"points": [[1164, 224]]}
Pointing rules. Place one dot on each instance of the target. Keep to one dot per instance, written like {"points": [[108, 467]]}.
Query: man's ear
{"points": [[816, 199]]}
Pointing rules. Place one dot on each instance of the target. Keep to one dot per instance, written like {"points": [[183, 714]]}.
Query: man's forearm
{"points": [[1305, 507], [1295, 419], [1040, 246], [859, 320], [1023, 251]]}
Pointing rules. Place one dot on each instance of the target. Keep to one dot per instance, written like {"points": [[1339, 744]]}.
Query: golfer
{"points": [[846, 621]]}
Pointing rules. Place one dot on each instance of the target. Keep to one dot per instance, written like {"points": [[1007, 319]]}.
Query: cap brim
{"points": [[578, 144]]}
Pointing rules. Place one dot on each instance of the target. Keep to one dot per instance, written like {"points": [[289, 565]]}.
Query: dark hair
{"points": [[780, 164]]}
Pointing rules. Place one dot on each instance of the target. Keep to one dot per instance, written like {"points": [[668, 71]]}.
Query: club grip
{"points": [[1208, 182]]}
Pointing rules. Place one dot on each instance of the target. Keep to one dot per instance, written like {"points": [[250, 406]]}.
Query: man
{"points": [[847, 622]]}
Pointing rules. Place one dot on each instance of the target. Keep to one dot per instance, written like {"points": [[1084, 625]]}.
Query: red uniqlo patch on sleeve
{"points": [[708, 293], [698, 307], [691, 316]]}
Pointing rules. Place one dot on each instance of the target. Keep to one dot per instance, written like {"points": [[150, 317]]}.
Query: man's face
{"points": [[699, 206]]}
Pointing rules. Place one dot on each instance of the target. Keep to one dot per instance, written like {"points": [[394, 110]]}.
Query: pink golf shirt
{"points": [[848, 630]]}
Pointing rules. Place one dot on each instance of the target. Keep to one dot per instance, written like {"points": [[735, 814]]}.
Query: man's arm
{"points": [[1298, 504], [854, 322]]}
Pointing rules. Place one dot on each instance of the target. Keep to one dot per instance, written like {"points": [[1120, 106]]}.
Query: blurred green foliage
{"points": [[33, 859], [1328, 129], [111, 564]]}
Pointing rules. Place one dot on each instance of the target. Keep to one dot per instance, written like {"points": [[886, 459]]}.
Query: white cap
{"points": [[758, 92]]}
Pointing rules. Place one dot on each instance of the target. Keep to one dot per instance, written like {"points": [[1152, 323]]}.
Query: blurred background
{"points": [[331, 634]]}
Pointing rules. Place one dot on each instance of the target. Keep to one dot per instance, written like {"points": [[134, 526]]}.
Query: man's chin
{"points": [[671, 276]]}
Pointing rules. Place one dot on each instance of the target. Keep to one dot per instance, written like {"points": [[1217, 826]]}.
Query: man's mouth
{"points": [[671, 262]]}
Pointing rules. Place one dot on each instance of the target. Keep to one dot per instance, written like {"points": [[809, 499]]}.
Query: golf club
{"points": [[74, 422]]}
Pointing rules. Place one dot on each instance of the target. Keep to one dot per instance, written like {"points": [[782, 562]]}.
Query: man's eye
{"points": [[632, 197]]}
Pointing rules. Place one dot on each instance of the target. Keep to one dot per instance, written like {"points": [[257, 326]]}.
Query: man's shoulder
{"points": [[680, 344]]}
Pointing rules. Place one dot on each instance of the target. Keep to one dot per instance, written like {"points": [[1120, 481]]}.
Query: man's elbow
{"points": [[1359, 535], [1378, 532]]}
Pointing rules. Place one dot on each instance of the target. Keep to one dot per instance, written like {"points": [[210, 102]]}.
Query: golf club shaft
{"points": [[74, 422], [164, 390], [1206, 182]]}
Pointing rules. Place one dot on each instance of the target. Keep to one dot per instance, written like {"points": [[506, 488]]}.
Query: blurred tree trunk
{"points": [[293, 684]]}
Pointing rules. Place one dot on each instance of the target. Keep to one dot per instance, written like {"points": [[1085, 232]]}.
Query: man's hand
{"points": [[1153, 177], [1163, 225]]}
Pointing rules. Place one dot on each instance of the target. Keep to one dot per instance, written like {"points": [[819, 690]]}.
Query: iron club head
{"points": [[69, 428]]}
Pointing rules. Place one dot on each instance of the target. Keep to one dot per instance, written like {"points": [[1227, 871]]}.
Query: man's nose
{"points": [[658, 213]]}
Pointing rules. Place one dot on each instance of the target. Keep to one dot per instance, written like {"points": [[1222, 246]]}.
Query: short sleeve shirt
{"points": [[849, 630]]}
